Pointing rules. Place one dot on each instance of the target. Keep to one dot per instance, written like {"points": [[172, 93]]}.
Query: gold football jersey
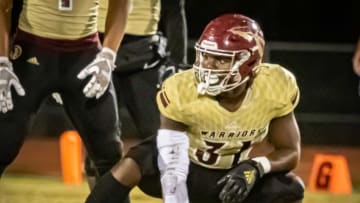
{"points": [[59, 19], [219, 138], [143, 18]]}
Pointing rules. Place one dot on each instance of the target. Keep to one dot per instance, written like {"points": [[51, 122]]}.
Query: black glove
{"points": [[239, 181]]}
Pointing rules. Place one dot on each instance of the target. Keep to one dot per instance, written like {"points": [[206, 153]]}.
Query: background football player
{"points": [[56, 49], [138, 60], [144, 59], [211, 118], [142, 54], [356, 62]]}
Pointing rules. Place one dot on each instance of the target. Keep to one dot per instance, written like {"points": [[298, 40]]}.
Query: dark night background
{"points": [[329, 109], [285, 20], [281, 20]]}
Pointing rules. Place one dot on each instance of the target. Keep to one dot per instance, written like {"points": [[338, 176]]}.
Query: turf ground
{"points": [[41, 189]]}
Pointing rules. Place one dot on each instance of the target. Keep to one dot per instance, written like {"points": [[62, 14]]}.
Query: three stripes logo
{"points": [[33, 60], [249, 176]]}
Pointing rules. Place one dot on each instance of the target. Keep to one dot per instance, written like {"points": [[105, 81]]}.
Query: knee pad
{"points": [[103, 161], [285, 188], [296, 190]]}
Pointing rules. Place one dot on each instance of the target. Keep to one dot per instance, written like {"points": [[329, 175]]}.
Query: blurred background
{"points": [[314, 39]]}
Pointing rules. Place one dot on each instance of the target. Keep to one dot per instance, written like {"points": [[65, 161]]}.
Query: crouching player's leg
{"points": [[116, 184], [140, 167], [277, 188]]}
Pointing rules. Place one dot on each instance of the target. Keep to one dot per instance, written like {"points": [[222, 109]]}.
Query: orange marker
{"points": [[330, 173], [71, 157]]}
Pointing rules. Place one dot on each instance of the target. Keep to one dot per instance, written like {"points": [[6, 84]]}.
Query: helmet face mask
{"points": [[221, 78], [233, 38]]}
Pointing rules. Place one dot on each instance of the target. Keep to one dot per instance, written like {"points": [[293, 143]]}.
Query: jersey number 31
{"points": [[210, 156]]}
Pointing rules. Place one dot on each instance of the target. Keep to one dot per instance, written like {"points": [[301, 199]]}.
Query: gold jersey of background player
{"points": [[143, 19], [64, 19]]}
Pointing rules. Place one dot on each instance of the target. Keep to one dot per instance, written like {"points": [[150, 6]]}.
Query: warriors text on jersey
{"points": [[143, 19], [219, 138], [59, 19]]}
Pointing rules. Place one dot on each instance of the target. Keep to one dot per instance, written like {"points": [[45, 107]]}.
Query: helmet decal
{"points": [[239, 30], [209, 44]]}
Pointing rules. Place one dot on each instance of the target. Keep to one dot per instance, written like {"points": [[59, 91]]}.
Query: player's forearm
{"points": [[284, 159], [5, 14], [284, 136], [115, 23]]}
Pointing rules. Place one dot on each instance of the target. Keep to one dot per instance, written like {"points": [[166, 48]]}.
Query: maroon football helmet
{"points": [[230, 35]]}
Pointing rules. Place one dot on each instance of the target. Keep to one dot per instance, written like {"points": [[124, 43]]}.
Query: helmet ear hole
{"points": [[252, 63], [246, 68]]}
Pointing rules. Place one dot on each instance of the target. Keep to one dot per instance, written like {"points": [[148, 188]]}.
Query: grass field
{"points": [[40, 189]]}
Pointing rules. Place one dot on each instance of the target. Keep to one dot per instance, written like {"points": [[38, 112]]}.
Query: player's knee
{"points": [[297, 189], [103, 160], [286, 188], [102, 164], [127, 172]]}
